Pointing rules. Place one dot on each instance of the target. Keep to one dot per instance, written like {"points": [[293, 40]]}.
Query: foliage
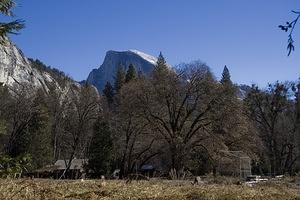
{"points": [[175, 121], [109, 93], [100, 150], [131, 73], [226, 76], [134, 140], [10, 166], [119, 79], [39, 132], [80, 114], [58, 75], [290, 26], [19, 113], [160, 67], [178, 107], [11, 27], [2, 128], [6, 6], [274, 114]]}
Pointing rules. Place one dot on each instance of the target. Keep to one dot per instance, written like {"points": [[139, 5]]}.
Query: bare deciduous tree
{"points": [[179, 108], [134, 138], [275, 115], [82, 111]]}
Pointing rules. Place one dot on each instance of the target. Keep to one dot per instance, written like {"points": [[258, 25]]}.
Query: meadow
{"points": [[154, 189]]}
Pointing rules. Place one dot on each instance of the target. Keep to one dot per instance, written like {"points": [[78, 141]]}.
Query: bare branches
{"points": [[290, 26]]}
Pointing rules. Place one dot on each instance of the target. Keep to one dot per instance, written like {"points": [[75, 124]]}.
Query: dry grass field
{"points": [[162, 190]]}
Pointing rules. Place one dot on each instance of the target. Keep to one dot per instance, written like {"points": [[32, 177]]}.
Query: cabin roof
{"points": [[75, 164]]}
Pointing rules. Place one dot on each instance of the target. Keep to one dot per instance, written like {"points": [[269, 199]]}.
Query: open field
{"points": [[91, 189]]}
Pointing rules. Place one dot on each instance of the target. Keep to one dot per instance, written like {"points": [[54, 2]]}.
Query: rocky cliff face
{"points": [[16, 70], [106, 72]]}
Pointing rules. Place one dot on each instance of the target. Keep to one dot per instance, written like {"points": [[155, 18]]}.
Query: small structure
{"points": [[234, 163], [76, 164], [45, 172], [55, 171], [148, 170], [76, 169]]}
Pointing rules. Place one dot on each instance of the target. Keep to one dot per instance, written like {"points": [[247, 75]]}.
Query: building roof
{"points": [[75, 164]]}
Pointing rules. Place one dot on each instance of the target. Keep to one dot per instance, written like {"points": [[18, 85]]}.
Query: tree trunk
{"points": [[68, 166]]}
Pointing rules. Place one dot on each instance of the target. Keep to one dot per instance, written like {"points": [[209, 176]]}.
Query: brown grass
{"points": [[91, 189]]}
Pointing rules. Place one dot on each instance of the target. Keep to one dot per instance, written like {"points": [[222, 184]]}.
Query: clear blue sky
{"points": [[74, 35]]}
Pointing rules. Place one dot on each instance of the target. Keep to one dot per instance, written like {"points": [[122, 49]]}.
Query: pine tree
{"points": [[100, 151], [131, 73], [226, 76], [109, 93], [161, 63], [4, 97], [120, 78], [161, 68], [40, 147], [10, 27]]}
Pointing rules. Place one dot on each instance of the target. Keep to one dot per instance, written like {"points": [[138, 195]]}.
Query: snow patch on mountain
{"points": [[145, 56]]}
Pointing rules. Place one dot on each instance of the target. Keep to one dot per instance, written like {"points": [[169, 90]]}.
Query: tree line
{"points": [[179, 119]]}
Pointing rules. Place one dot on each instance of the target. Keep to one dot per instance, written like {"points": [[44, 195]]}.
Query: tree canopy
{"points": [[12, 27]]}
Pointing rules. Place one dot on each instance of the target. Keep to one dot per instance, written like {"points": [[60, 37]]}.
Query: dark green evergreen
{"points": [[40, 147], [161, 68], [131, 73], [226, 76], [161, 60], [109, 93], [120, 78], [11, 27], [161, 63], [100, 151]]}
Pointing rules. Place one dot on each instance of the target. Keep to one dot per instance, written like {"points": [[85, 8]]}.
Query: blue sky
{"points": [[74, 35]]}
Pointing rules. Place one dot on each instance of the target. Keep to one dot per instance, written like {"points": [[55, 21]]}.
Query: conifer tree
{"points": [[109, 93], [39, 133], [161, 63], [161, 68], [4, 96], [100, 151], [10, 27], [131, 73], [120, 78], [226, 76]]}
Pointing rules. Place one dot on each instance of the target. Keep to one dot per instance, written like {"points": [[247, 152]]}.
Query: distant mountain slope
{"points": [[243, 91], [16, 69], [106, 72]]}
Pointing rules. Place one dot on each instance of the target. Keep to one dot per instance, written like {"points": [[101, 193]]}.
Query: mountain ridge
{"points": [[18, 70], [141, 61]]}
